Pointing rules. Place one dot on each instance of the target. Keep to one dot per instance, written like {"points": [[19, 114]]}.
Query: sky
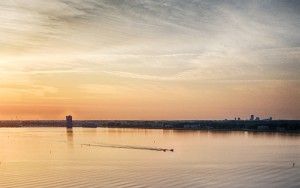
{"points": [[149, 59]]}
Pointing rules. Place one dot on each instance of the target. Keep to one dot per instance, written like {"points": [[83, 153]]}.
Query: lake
{"points": [[110, 157]]}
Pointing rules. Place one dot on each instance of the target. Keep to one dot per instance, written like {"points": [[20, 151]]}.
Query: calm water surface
{"points": [[53, 157]]}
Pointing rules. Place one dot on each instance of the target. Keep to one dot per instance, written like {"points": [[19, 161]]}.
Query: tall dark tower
{"points": [[69, 122]]}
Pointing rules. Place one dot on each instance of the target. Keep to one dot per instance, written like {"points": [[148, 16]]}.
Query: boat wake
{"points": [[128, 147]]}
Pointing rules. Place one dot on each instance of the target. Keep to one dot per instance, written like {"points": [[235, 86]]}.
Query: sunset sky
{"points": [[149, 59]]}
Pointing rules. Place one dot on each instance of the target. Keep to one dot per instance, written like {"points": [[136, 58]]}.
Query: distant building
{"points": [[257, 119], [251, 117], [69, 122], [270, 118], [239, 118]]}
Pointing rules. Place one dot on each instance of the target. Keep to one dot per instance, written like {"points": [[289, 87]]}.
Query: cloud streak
{"points": [[144, 43]]}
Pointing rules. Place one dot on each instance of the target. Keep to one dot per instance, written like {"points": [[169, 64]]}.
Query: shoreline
{"points": [[280, 126], [167, 129]]}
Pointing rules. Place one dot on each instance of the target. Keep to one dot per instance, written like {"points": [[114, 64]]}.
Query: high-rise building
{"points": [[251, 117], [69, 122]]}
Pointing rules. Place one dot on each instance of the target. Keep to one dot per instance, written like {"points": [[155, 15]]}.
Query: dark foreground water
{"points": [[105, 157]]}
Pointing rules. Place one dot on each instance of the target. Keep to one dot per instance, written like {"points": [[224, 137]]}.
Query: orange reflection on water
{"points": [[35, 157]]}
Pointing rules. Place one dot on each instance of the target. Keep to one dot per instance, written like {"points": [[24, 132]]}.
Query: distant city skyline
{"points": [[149, 60], [236, 118]]}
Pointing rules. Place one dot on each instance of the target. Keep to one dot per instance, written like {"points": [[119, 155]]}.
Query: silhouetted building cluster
{"points": [[252, 118], [69, 122]]}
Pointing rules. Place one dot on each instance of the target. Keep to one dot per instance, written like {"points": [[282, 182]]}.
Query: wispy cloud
{"points": [[171, 42]]}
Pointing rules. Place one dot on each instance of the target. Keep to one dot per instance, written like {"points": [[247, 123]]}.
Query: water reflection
{"points": [[70, 137], [231, 133], [125, 158]]}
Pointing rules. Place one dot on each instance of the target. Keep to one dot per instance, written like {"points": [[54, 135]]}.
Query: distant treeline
{"points": [[230, 125]]}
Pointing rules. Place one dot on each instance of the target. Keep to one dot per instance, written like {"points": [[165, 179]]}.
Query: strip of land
{"points": [[225, 125]]}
